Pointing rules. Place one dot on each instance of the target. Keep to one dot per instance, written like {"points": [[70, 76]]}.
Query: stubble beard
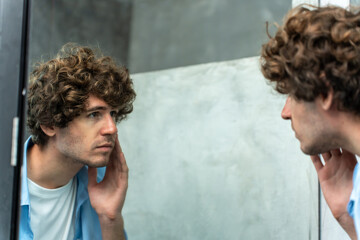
{"points": [[77, 157], [75, 149], [93, 161], [321, 144]]}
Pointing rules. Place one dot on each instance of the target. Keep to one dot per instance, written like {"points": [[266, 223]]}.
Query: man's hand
{"points": [[108, 196], [335, 179]]}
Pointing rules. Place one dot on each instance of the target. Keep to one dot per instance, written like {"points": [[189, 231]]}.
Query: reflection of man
{"points": [[74, 103], [315, 59]]}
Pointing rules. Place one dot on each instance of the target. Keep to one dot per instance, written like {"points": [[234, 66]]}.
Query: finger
{"points": [[336, 152], [124, 174], [117, 155], [116, 150], [347, 152], [317, 162], [124, 166], [112, 165], [92, 174], [349, 156], [326, 156], [117, 146], [117, 142]]}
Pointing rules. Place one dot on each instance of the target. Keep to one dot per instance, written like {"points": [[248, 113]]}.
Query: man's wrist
{"points": [[347, 223], [112, 227]]}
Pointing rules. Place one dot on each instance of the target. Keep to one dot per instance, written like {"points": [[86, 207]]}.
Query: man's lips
{"points": [[105, 147]]}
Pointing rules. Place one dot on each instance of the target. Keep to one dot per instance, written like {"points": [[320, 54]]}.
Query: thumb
{"points": [[317, 162], [92, 174]]}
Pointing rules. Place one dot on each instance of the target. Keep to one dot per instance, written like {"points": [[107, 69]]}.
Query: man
{"points": [[314, 58], [74, 103]]}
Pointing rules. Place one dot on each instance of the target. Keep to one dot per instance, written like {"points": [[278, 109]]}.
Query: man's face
{"points": [[308, 123], [89, 139]]}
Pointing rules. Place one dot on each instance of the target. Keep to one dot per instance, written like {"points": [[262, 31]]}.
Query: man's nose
{"points": [[109, 127], [286, 112]]}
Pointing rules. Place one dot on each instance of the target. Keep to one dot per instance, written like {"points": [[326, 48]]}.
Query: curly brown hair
{"points": [[314, 51], [59, 88]]}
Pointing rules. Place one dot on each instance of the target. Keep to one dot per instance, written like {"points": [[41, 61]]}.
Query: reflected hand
{"points": [[108, 196]]}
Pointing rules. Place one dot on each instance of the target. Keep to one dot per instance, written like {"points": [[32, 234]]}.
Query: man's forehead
{"points": [[94, 102]]}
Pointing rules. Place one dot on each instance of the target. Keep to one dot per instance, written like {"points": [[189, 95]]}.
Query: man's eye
{"points": [[94, 115], [113, 113]]}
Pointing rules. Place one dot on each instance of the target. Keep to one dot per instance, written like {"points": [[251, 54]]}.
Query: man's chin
{"points": [[98, 164], [305, 151], [311, 150]]}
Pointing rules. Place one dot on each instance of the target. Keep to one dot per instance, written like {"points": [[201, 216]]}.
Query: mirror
{"points": [[209, 155]]}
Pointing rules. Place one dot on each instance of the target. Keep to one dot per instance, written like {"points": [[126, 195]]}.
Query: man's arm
{"points": [[108, 196], [336, 183]]}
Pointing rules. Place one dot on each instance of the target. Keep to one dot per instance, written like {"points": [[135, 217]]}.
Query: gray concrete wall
{"points": [[149, 35], [211, 158], [105, 24], [172, 33]]}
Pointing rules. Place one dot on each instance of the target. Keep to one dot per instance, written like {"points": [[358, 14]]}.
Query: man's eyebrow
{"points": [[96, 108]]}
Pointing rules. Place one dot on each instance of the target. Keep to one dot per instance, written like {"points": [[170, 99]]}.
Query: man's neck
{"points": [[350, 129], [48, 168]]}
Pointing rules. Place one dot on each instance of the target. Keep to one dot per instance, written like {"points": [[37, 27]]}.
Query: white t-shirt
{"points": [[52, 213]]}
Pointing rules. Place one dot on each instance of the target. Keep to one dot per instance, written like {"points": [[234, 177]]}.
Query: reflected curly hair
{"points": [[59, 88], [314, 51]]}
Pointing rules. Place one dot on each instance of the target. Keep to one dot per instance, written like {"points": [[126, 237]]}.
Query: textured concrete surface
{"points": [[340, 3], [311, 2], [172, 33], [210, 158], [150, 35], [105, 24]]}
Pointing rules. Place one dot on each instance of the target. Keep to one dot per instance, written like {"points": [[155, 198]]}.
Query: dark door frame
{"points": [[14, 23]]}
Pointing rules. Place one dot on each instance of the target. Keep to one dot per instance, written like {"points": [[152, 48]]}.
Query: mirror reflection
{"points": [[208, 154]]}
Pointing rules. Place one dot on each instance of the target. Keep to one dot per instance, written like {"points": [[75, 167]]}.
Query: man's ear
{"points": [[327, 102], [50, 131]]}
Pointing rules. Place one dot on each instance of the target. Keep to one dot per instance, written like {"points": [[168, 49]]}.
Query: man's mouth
{"points": [[105, 147]]}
